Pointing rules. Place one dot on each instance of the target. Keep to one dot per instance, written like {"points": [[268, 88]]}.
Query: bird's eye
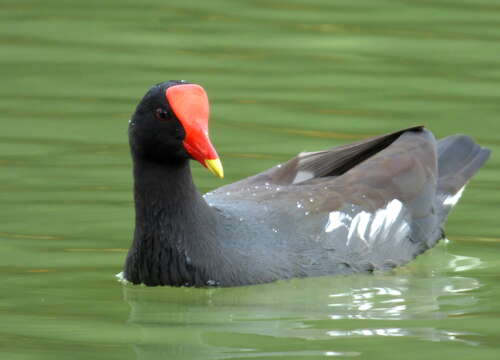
{"points": [[162, 114]]}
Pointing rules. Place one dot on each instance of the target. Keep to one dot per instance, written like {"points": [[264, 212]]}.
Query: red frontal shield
{"points": [[189, 103]]}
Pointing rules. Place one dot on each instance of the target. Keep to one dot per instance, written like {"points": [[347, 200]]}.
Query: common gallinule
{"points": [[374, 204]]}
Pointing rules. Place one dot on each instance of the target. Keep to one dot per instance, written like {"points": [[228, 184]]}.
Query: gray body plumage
{"points": [[372, 205]]}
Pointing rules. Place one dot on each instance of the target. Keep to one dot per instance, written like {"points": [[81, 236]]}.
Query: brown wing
{"points": [[332, 162], [314, 167], [360, 179], [406, 170]]}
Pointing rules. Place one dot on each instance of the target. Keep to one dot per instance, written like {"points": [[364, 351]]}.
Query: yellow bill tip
{"points": [[215, 167]]}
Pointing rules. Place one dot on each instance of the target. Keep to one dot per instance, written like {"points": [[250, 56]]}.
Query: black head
{"points": [[155, 133], [170, 125]]}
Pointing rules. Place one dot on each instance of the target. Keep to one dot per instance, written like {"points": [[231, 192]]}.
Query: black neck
{"points": [[174, 226]]}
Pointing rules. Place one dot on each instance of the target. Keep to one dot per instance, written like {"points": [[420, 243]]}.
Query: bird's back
{"points": [[372, 205]]}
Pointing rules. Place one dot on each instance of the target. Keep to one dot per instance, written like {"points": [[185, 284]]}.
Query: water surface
{"points": [[283, 77]]}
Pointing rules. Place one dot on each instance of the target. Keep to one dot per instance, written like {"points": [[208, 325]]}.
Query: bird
{"points": [[367, 206]]}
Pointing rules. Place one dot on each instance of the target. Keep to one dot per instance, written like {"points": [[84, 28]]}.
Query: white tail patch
{"points": [[453, 199]]}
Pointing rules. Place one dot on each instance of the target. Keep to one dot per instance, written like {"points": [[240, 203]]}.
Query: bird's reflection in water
{"points": [[306, 317]]}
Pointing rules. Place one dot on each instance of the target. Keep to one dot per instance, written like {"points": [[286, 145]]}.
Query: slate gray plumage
{"points": [[388, 208], [374, 204]]}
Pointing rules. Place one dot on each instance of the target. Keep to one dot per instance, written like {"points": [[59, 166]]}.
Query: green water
{"points": [[283, 77]]}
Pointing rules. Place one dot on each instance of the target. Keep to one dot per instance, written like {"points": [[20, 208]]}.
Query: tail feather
{"points": [[459, 158]]}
